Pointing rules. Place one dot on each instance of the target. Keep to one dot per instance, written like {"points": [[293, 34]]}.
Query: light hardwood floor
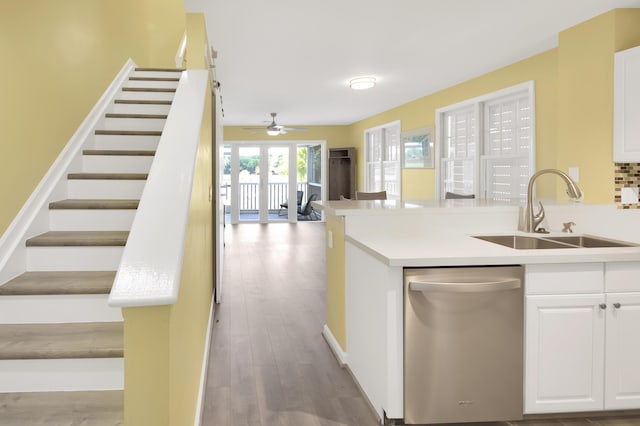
{"points": [[269, 364]]}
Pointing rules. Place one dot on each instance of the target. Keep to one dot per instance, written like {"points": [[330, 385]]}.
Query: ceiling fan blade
{"points": [[253, 128], [295, 129]]}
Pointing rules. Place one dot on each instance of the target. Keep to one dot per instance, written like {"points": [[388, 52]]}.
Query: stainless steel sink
{"points": [[523, 242], [590, 241]]}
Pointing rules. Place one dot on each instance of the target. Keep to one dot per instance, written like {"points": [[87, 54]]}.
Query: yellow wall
{"points": [[420, 183], [58, 58], [585, 98], [164, 345]]}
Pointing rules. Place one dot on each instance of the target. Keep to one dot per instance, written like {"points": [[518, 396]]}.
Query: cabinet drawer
{"points": [[622, 276], [564, 278]]}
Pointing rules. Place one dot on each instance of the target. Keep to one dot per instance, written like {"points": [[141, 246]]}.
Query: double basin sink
{"points": [[523, 242]]}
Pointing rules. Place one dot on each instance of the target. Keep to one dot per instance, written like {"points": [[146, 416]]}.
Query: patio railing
{"points": [[277, 194]]}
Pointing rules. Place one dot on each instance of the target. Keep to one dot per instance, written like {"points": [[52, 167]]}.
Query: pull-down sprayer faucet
{"points": [[531, 220]]}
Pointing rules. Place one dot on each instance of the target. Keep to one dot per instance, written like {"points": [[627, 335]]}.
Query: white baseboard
{"points": [[340, 355], [205, 367]]}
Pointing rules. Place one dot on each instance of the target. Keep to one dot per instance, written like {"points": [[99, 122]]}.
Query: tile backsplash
{"points": [[627, 175]]}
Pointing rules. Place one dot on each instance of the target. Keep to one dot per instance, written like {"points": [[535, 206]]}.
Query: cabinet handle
{"points": [[603, 306], [617, 305]]}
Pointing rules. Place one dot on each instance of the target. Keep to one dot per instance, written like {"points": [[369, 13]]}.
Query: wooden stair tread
{"points": [[108, 176], [154, 79], [149, 89], [59, 341], [79, 239], [159, 69], [94, 204], [95, 408], [59, 283], [129, 132], [142, 101], [116, 115], [118, 152]]}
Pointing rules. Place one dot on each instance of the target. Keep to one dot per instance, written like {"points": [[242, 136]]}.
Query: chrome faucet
{"points": [[531, 220]]}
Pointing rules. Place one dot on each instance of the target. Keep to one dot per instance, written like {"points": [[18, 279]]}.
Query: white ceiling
{"points": [[295, 57]]}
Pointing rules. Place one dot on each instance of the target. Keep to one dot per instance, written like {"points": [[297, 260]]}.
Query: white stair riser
{"points": [[153, 83], [125, 142], [162, 74], [133, 123], [165, 96], [91, 220], [45, 309], [117, 163], [139, 109], [50, 375], [73, 258], [107, 189]]}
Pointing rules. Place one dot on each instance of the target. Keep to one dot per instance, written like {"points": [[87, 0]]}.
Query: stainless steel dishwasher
{"points": [[463, 344]]}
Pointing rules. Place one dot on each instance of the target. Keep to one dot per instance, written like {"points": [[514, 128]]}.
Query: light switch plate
{"points": [[574, 174], [629, 195]]}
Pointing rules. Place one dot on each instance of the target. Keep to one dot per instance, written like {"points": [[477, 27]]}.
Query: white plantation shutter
{"points": [[508, 138], [382, 158], [495, 161]]}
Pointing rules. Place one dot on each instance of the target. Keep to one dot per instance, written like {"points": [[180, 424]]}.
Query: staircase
{"points": [[61, 345]]}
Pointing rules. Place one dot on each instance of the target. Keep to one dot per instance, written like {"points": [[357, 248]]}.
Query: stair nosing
{"points": [[54, 334], [136, 116], [142, 101], [152, 69], [94, 204], [149, 89], [79, 239], [107, 176], [129, 132], [119, 152], [58, 283], [171, 79]]}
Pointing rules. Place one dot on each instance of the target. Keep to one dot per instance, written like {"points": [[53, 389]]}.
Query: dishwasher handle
{"points": [[465, 287]]}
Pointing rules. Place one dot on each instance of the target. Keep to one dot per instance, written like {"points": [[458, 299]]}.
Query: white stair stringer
{"points": [[99, 258], [51, 375], [57, 308]]}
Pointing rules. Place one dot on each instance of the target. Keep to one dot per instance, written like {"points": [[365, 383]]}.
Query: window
{"points": [[382, 159], [487, 145]]}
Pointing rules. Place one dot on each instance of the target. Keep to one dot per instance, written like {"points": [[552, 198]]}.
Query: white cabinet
{"points": [[626, 106], [582, 344]]}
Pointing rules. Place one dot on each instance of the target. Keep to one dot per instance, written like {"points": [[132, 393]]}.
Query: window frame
{"points": [[478, 104]]}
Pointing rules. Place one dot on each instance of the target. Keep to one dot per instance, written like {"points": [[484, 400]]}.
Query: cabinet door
{"points": [[622, 384], [564, 350], [626, 106]]}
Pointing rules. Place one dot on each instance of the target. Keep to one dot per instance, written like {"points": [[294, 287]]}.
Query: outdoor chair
{"points": [[285, 205], [307, 211]]}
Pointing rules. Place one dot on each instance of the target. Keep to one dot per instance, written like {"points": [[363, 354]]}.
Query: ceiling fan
{"points": [[274, 129]]}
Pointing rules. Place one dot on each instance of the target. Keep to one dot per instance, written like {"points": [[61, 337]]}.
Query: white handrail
{"points": [[151, 265], [182, 51]]}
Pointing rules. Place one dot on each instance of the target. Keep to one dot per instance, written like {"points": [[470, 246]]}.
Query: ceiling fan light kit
{"points": [[362, 83], [274, 129]]}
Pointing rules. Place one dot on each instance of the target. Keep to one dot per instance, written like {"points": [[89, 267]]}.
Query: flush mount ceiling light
{"points": [[362, 83]]}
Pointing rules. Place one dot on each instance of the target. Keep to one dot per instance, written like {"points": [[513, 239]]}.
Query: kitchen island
{"points": [[370, 243]]}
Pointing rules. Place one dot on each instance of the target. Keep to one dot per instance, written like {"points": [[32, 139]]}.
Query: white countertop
{"points": [[439, 233], [456, 250]]}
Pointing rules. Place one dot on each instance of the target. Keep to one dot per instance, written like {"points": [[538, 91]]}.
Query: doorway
{"points": [[262, 176]]}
